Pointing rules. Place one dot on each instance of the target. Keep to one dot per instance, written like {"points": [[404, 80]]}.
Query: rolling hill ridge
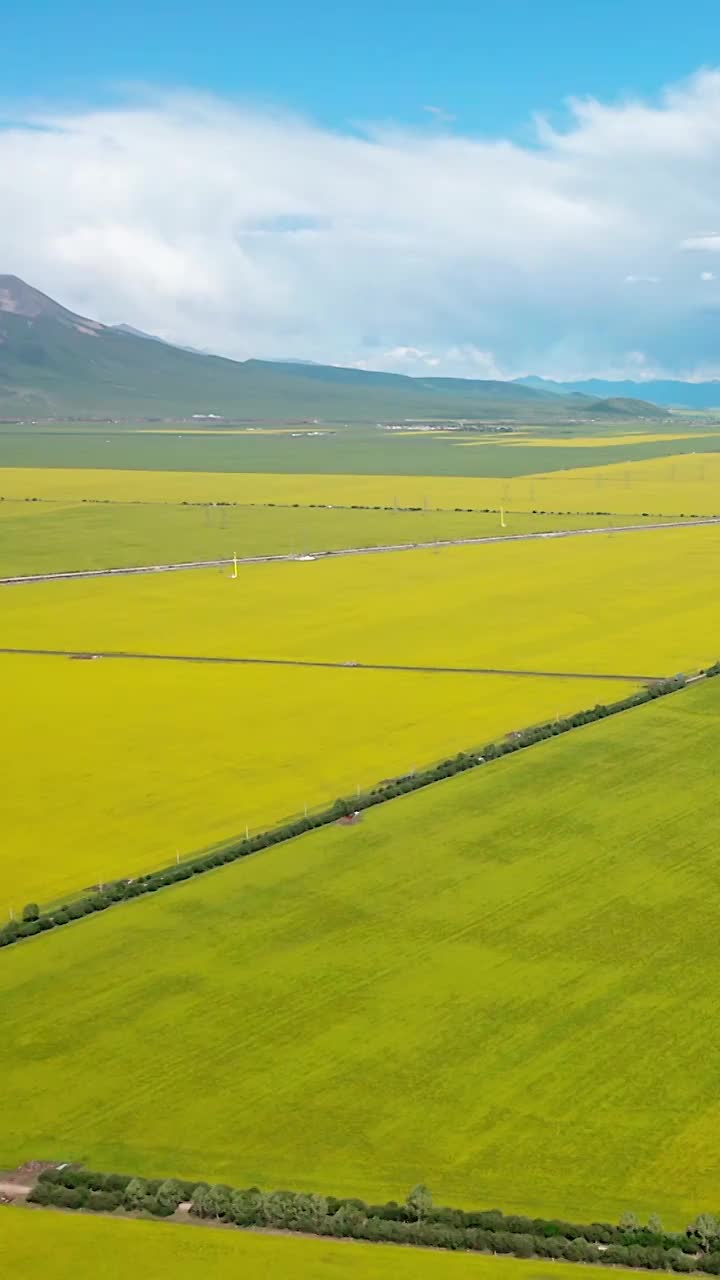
{"points": [[56, 364], [670, 392]]}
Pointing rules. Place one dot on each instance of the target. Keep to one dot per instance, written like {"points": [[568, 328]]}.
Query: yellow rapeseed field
{"points": [[45, 1245], [685, 483], [595, 442], [638, 603], [111, 767]]}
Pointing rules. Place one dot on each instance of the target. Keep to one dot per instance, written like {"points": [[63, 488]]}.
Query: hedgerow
{"points": [[417, 1221], [35, 921]]}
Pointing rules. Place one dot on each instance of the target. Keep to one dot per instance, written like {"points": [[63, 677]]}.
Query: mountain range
{"points": [[56, 364], [671, 393]]}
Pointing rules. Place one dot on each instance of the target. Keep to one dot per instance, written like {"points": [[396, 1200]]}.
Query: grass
{"points": [[635, 603], [41, 1245], [41, 537], [684, 484], [361, 450], [109, 768], [504, 985]]}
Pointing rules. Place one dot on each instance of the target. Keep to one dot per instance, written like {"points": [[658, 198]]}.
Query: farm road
{"points": [[18, 579], [90, 654]]}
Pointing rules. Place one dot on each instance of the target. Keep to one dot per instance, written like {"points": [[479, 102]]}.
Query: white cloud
{"points": [[440, 114], [704, 244], [405, 355], [258, 233], [707, 275]]}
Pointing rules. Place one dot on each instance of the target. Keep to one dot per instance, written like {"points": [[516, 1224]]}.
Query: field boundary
{"points": [[336, 553], [417, 1222], [355, 506], [133, 655], [344, 809]]}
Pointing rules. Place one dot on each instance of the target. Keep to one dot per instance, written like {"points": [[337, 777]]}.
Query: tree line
{"points": [[35, 921], [364, 506], [416, 1221]]}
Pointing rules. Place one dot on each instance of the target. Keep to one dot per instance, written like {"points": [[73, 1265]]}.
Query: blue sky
{"points": [[481, 189], [491, 63]]}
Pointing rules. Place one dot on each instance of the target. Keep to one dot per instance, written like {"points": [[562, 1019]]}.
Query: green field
{"points": [[41, 1245], [504, 986], [44, 537], [113, 768], [360, 450]]}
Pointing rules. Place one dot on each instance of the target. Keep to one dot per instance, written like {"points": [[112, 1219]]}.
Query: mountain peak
{"points": [[20, 299]]}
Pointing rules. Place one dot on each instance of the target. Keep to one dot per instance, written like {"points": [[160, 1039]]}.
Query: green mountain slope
{"points": [[55, 364]]}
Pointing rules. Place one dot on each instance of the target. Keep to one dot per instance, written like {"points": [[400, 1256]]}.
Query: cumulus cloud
{"points": [[707, 275], [254, 233]]}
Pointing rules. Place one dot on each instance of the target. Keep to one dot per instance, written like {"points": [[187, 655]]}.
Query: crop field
{"points": [[687, 484], [112, 767], [361, 450], [600, 441], [47, 536], [42, 1245], [613, 604], [504, 985]]}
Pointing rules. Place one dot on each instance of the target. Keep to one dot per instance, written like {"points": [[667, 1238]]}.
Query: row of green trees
{"points": [[363, 506], [72, 1188], [417, 1221], [35, 921]]}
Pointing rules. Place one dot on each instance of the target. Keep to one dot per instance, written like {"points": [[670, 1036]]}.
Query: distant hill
{"points": [[669, 393], [153, 337], [56, 364]]}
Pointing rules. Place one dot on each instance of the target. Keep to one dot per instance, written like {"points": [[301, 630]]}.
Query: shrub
{"points": [[218, 1201], [117, 1182], [135, 1193], [43, 1193], [680, 1261], [197, 1206], [29, 929], [104, 1201], [73, 1177], [246, 1207], [71, 1197], [170, 1194]]}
